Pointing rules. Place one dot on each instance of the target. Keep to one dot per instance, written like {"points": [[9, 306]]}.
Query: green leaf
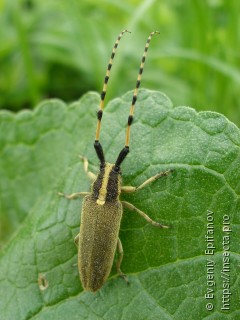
{"points": [[166, 268]]}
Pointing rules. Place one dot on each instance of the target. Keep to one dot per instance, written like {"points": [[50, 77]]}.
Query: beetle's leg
{"points": [[76, 239], [129, 189], [90, 174], [73, 195], [144, 215], [119, 261]]}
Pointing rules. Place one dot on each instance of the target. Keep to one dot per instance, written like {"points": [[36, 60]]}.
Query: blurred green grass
{"points": [[61, 49]]}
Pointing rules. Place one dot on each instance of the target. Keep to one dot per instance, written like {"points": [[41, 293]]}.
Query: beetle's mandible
{"points": [[102, 209]]}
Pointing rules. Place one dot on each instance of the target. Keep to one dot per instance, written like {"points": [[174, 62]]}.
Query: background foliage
{"points": [[61, 48]]}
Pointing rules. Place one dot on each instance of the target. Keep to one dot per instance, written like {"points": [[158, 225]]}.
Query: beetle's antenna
{"points": [[123, 153], [97, 144]]}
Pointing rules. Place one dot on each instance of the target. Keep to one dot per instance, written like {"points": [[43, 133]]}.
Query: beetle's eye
{"points": [[102, 166], [116, 169]]}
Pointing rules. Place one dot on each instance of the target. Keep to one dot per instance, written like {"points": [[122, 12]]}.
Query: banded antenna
{"points": [[123, 153], [97, 144]]}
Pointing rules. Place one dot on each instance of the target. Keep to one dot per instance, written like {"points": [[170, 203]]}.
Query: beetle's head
{"points": [[116, 167]]}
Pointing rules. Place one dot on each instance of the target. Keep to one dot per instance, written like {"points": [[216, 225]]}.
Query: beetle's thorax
{"points": [[107, 186]]}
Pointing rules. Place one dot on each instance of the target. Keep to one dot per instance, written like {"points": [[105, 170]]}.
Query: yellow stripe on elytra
{"points": [[103, 190]]}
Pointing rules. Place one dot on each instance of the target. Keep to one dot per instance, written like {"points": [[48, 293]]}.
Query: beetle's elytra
{"points": [[102, 209]]}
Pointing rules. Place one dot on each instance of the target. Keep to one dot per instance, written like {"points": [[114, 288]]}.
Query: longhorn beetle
{"points": [[101, 209]]}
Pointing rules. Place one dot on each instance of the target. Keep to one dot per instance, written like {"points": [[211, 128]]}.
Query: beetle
{"points": [[101, 208]]}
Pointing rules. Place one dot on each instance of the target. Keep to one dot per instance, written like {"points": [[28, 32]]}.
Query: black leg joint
{"points": [[99, 151]]}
